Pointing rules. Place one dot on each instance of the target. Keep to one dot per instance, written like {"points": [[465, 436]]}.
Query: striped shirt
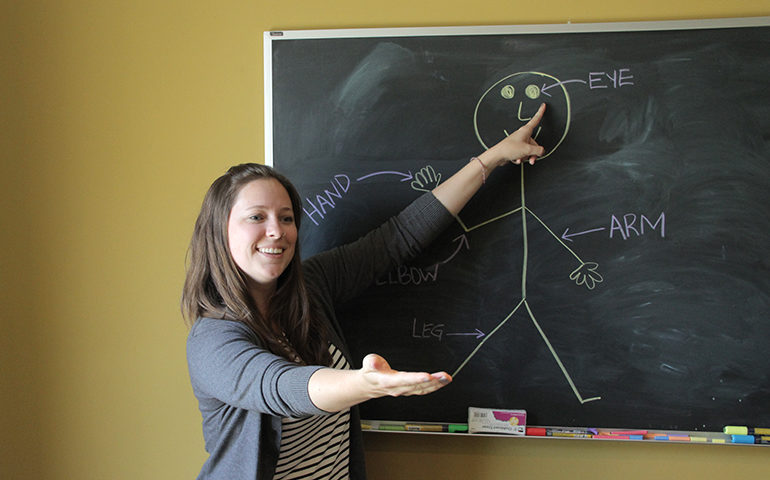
{"points": [[316, 447]]}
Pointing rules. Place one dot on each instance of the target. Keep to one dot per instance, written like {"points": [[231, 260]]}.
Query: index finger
{"points": [[532, 123]]}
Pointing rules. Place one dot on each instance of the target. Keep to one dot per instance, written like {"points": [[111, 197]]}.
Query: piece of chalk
{"points": [[736, 430], [743, 439]]}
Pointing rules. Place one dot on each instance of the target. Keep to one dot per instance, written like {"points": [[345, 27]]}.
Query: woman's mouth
{"points": [[271, 250]]}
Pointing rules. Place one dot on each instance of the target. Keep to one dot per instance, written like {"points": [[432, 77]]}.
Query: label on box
{"points": [[497, 420]]}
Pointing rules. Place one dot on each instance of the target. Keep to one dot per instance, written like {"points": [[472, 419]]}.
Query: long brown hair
{"points": [[215, 287]]}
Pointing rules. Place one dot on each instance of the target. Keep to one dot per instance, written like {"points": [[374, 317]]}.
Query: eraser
{"points": [[497, 420], [536, 431]]}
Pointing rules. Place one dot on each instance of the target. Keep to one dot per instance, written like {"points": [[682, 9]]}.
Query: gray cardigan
{"points": [[243, 390]]}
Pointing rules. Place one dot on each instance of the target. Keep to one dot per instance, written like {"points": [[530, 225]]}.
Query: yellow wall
{"points": [[116, 115]]}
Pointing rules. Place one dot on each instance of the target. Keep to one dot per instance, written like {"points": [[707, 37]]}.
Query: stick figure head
{"points": [[513, 100]]}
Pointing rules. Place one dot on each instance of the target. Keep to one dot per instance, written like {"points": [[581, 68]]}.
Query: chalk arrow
{"points": [[406, 176], [463, 241], [545, 89], [566, 236], [478, 334]]}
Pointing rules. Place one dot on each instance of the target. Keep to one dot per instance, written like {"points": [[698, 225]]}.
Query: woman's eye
{"points": [[256, 218], [288, 219]]}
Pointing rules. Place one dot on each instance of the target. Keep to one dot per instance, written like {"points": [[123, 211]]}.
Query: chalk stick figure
{"points": [[501, 110]]}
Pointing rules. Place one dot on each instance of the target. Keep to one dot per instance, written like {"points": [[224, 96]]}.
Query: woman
{"points": [[267, 360]]}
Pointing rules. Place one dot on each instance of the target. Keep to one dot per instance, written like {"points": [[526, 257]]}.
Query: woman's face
{"points": [[261, 231]]}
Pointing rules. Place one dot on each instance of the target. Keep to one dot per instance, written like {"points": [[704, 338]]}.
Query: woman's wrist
{"points": [[483, 169], [490, 159]]}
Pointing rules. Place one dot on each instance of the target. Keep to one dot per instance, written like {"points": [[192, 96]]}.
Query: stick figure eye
{"points": [[532, 91], [507, 92]]}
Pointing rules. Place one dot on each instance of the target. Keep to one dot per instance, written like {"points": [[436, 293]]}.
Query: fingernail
{"points": [[443, 380]]}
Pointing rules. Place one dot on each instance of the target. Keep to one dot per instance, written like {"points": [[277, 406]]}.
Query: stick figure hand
{"points": [[426, 179], [587, 275]]}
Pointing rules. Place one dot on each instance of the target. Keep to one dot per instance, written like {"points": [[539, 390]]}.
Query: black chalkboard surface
{"points": [[622, 281]]}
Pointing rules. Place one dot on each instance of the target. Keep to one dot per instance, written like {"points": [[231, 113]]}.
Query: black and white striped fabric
{"points": [[316, 447]]}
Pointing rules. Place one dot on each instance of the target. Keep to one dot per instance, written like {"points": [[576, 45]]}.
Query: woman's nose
{"points": [[274, 229]]}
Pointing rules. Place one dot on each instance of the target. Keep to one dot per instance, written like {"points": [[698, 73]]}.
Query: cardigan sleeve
{"points": [[349, 269], [227, 365]]}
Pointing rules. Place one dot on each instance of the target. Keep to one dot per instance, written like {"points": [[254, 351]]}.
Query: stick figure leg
{"points": [[558, 360]]}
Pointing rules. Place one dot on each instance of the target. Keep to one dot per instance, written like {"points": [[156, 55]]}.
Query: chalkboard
{"points": [[622, 281]]}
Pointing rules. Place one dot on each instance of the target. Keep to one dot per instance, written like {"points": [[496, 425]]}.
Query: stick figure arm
{"points": [[586, 273], [558, 239], [484, 223]]}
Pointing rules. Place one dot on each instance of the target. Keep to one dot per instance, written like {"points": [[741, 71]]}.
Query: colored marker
{"points": [[414, 427], [629, 432], [570, 434], [458, 427], [610, 436], [391, 427], [555, 432]]}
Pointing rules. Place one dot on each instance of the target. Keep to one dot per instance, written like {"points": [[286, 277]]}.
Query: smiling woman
{"points": [[267, 362], [262, 236]]}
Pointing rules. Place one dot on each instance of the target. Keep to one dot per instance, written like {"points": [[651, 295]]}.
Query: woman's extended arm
{"points": [[517, 147], [333, 390]]}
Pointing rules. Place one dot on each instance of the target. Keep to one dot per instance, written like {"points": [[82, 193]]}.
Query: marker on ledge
{"points": [[391, 427], [436, 427]]}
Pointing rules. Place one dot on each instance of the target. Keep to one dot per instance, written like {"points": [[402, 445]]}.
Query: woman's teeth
{"points": [[271, 250]]}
